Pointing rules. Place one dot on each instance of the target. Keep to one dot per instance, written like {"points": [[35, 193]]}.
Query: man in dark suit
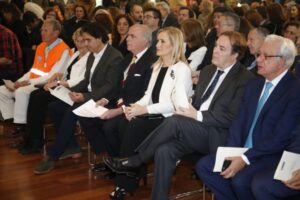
{"points": [[269, 112], [255, 39], [103, 133], [168, 19], [202, 127], [101, 80], [266, 187]]}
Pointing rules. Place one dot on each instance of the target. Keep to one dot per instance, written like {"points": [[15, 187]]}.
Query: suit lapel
{"points": [[204, 81], [277, 93], [102, 61], [228, 79]]}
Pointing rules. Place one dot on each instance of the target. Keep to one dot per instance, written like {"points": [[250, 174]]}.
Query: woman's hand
{"points": [[135, 110]]}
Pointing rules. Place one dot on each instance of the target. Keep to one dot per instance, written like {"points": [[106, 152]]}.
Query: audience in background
{"points": [[21, 37]]}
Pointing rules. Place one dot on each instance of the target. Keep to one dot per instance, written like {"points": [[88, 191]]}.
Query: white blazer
{"points": [[196, 57], [78, 69], [175, 90]]}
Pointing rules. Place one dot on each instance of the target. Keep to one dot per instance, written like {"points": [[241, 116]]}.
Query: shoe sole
{"points": [[73, 156], [130, 174], [44, 172]]}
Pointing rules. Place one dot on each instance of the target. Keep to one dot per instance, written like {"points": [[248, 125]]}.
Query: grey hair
{"points": [[55, 24], [233, 19], [262, 31], [147, 33], [287, 48], [164, 5]]}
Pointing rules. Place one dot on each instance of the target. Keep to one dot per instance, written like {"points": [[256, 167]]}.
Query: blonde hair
{"points": [[76, 34], [176, 38]]}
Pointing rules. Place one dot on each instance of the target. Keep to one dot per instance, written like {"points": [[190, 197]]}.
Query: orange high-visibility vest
{"points": [[42, 67]]}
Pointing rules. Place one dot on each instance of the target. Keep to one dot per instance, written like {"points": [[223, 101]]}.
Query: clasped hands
{"points": [[135, 110]]}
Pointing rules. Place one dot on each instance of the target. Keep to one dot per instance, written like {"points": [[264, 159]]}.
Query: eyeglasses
{"points": [[265, 56]]}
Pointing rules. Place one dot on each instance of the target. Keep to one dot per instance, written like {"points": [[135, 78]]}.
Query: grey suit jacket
{"points": [[104, 81], [225, 103]]}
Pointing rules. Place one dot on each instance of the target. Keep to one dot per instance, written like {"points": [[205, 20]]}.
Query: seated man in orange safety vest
{"points": [[51, 56]]}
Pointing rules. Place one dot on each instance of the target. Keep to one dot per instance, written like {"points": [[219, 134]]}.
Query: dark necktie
{"points": [[130, 67], [209, 90]]}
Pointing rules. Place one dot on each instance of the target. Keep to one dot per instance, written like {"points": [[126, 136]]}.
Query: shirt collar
{"points": [[98, 55], [139, 55], [276, 80], [227, 69], [53, 44]]}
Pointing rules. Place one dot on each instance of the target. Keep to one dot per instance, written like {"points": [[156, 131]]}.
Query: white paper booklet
{"points": [[224, 152], [289, 163], [89, 109], [9, 84], [62, 93]]}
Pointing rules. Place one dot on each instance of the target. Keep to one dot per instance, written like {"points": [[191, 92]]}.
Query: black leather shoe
{"points": [[110, 175], [119, 194], [100, 167], [121, 166]]}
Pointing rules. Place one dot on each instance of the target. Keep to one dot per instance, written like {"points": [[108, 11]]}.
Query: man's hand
{"points": [[102, 102], [195, 77], [76, 97], [111, 113], [5, 61], [294, 182], [21, 84], [190, 112], [237, 164]]}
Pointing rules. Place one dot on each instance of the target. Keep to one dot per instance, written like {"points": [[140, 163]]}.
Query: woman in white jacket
{"points": [[169, 89]]}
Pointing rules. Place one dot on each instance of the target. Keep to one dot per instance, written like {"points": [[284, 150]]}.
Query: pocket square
{"points": [[137, 75]]}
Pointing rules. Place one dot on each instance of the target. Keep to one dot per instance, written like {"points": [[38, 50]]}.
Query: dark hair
{"points": [[275, 12], [191, 12], [254, 17], [96, 30], [156, 14], [13, 9], [222, 9], [29, 17], [135, 4], [117, 37], [193, 32], [106, 21], [238, 43], [84, 10], [291, 23]]}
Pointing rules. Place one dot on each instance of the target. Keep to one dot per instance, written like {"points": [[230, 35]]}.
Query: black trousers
{"points": [[132, 135], [37, 109]]}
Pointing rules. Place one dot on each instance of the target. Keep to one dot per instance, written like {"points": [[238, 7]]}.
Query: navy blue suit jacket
{"points": [[276, 121]]}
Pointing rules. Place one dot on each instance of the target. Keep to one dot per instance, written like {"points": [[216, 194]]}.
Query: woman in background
{"points": [[123, 22]]}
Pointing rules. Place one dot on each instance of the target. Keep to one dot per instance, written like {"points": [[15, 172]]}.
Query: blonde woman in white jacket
{"points": [[169, 89]]}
